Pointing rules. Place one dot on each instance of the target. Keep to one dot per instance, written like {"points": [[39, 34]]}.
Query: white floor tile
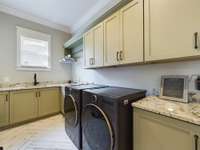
{"points": [[47, 134]]}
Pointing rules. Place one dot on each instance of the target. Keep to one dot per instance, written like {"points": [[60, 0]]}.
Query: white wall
{"points": [[8, 57], [141, 76]]}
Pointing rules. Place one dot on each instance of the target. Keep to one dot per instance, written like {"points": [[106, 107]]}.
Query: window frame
{"points": [[29, 33]]}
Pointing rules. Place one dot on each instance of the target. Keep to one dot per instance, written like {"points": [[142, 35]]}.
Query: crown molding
{"points": [[33, 18], [98, 10]]}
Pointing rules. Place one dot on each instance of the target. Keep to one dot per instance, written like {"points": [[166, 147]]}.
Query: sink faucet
{"points": [[35, 80]]}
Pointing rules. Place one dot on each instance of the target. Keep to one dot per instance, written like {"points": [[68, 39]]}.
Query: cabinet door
{"points": [[49, 101], [131, 18], [170, 27], [98, 45], [4, 109], [156, 132], [62, 101], [88, 49], [112, 40], [23, 105]]}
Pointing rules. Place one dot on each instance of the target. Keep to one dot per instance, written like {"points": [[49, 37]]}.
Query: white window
{"points": [[33, 50]]}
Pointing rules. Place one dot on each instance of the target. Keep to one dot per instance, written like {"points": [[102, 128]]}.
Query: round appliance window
{"points": [[97, 129], [71, 110]]}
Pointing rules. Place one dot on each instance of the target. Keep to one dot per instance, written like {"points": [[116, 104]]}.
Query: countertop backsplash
{"points": [[139, 76]]}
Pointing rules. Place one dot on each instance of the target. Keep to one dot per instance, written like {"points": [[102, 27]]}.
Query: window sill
{"points": [[32, 69]]}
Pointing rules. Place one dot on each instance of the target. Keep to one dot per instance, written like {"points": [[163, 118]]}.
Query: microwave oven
{"points": [[174, 87]]}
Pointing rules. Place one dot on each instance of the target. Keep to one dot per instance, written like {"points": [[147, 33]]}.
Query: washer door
{"points": [[97, 130], [71, 111]]}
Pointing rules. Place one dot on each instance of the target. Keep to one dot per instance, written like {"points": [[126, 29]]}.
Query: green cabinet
{"points": [[157, 132], [49, 101], [4, 109], [23, 105], [62, 99], [29, 104]]}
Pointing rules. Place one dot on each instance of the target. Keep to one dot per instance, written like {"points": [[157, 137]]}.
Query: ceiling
{"points": [[66, 15]]}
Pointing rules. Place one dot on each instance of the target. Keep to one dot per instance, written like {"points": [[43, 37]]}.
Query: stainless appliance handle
{"points": [[76, 109], [107, 122]]}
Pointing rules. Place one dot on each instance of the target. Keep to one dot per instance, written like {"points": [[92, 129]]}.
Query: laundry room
{"points": [[99, 75]]}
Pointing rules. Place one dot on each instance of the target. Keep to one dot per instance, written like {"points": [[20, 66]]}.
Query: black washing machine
{"points": [[107, 119], [72, 111]]}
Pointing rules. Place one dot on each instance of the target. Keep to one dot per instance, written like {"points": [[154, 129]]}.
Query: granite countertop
{"points": [[26, 86], [189, 112]]}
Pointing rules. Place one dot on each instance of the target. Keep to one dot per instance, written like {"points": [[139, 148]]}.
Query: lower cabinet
{"points": [[31, 104], [4, 109], [49, 101], [62, 99], [23, 105], [157, 132]]}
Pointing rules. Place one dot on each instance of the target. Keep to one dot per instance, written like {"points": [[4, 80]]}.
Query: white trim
{"points": [[32, 69], [98, 10], [185, 88], [32, 18], [37, 35]]}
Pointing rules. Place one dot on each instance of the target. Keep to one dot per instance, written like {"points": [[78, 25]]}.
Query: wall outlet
{"points": [[155, 92]]}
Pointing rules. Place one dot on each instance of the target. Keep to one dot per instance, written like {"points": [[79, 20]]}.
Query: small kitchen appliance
{"points": [[174, 87]]}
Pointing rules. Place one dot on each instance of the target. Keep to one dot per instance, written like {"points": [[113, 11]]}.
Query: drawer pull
{"points": [[91, 61], [196, 40], [196, 138], [117, 56], [121, 55], [6, 98]]}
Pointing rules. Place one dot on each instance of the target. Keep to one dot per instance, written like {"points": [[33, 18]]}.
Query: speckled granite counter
{"points": [[27, 86], [187, 112]]}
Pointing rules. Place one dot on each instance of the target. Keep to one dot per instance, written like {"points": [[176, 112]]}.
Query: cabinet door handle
{"points": [[39, 94], [90, 61], [121, 55], [196, 40], [36, 94], [93, 62], [196, 138], [6, 98], [117, 56]]}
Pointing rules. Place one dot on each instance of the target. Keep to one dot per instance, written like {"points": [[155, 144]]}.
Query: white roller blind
{"points": [[33, 50]]}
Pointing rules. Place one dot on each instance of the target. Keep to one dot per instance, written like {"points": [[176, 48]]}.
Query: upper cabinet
{"points": [[93, 47], [171, 29], [117, 40], [112, 40], [145, 31], [88, 49], [131, 19], [98, 45]]}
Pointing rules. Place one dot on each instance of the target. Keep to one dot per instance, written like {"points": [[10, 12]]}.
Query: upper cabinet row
{"points": [[157, 30]]}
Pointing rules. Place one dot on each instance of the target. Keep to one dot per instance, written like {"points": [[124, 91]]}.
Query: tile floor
{"points": [[46, 134]]}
